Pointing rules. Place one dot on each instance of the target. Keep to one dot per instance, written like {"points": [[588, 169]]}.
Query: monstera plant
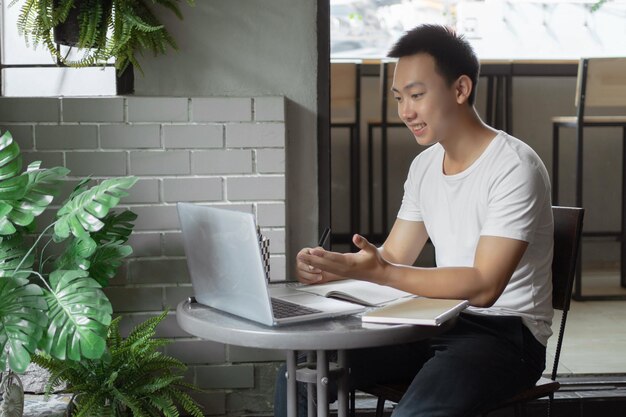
{"points": [[52, 301]]}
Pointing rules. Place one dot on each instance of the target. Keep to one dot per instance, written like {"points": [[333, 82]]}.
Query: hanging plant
{"points": [[106, 29]]}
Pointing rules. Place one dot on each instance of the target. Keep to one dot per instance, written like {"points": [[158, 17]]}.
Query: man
{"points": [[483, 198]]}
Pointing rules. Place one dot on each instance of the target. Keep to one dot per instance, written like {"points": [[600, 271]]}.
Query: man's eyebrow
{"points": [[408, 86]]}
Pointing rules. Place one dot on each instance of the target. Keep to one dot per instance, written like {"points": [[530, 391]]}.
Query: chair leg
{"points": [[550, 400], [380, 407], [352, 405]]}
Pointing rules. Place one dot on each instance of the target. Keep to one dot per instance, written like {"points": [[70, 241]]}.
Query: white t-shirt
{"points": [[505, 192]]}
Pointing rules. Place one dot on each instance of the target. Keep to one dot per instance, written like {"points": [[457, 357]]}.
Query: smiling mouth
{"points": [[418, 128]]}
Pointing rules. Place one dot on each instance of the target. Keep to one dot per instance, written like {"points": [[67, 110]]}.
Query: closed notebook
{"points": [[419, 310]]}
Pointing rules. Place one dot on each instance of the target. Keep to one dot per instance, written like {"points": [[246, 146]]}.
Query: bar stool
{"points": [[345, 112], [601, 83], [388, 119]]}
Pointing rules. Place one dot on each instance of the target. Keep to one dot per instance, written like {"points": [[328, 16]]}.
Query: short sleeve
{"points": [[410, 207], [515, 201]]}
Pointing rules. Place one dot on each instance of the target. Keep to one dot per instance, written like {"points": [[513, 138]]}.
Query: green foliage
{"points": [[107, 28], [60, 310], [132, 377]]}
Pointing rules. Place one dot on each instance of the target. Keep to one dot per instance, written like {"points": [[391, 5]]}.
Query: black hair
{"points": [[453, 55]]}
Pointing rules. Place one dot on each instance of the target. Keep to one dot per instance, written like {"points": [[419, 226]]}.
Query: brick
{"points": [[157, 109], [257, 398], [221, 109], [96, 163], [29, 109], [197, 351], [159, 162], [130, 136], [277, 239], [156, 218], [48, 159], [158, 271], [270, 161], [168, 328], [278, 265], [221, 162], [255, 135], [174, 295], [126, 299], [144, 191], [212, 403], [89, 109], [229, 376], [255, 188], [145, 244], [121, 277], [269, 109], [246, 354], [271, 215], [66, 137], [193, 136], [173, 244], [192, 189], [21, 134]]}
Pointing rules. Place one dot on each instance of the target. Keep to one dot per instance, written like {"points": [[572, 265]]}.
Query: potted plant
{"points": [[106, 29], [55, 304], [132, 378]]}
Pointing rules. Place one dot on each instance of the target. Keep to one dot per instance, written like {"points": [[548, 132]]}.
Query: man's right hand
{"points": [[307, 274]]}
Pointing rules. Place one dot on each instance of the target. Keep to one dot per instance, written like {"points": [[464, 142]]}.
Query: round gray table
{"points": [[319, 336]]}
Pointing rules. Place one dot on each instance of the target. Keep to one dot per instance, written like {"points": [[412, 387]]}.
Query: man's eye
{"points": [[417, 95], [396, 98]]}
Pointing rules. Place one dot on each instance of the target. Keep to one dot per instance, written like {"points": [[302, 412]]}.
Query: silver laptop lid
{"points": [[224, 261]]}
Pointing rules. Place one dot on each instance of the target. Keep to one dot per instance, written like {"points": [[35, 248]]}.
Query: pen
{"points": [[324, 237]]}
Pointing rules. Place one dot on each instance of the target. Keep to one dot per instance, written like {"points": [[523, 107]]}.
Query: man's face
{"points": [[426, 104]]}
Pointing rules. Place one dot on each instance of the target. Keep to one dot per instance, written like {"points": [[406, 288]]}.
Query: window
{"points": [[497, 29]]}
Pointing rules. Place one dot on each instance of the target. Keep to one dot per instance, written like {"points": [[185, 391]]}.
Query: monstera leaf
{"points": [[39, 191], [79, 314], [12, 253], [23, 196], [82, 213], [106, 260], [117, 227], [22, 321]]}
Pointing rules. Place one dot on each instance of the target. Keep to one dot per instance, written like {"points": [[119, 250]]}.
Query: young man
{"points": [[483, 198]]}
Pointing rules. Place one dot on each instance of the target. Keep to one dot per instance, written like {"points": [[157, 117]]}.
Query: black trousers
{"points": [[481, 361]]}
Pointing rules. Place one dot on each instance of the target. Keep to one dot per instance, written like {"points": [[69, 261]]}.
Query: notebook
{"points": [[227, 272], [418, 310]]}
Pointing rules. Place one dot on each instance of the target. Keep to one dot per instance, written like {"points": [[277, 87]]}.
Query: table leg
{"points": [[310, 387], [342, 384], [322, 384], [292, 395]]}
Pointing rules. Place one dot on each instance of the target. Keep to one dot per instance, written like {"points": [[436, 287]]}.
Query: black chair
{"points": [[567, 231]]}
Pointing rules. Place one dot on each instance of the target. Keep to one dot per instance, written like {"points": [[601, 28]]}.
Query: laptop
{"points": [[227, 272]]}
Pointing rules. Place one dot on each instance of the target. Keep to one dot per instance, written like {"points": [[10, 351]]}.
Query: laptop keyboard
{"points": [[283, 309]]}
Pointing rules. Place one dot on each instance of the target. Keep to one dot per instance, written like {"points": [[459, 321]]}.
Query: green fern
{"points": [[133, 376], [107, 29]]}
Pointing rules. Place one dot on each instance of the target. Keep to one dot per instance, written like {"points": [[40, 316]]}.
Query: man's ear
{"points": [[463, 89]]}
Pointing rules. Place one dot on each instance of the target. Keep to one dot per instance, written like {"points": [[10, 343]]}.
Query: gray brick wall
{"points": [[224, 152]]}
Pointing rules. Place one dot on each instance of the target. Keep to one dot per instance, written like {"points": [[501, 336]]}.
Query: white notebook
{"points": [[418, 310], [356, 291]]}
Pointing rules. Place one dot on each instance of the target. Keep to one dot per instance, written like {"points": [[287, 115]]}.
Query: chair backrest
{"points": [[567, 230], [343, 92], [568, 225], [601, 82], [392, 106]]}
